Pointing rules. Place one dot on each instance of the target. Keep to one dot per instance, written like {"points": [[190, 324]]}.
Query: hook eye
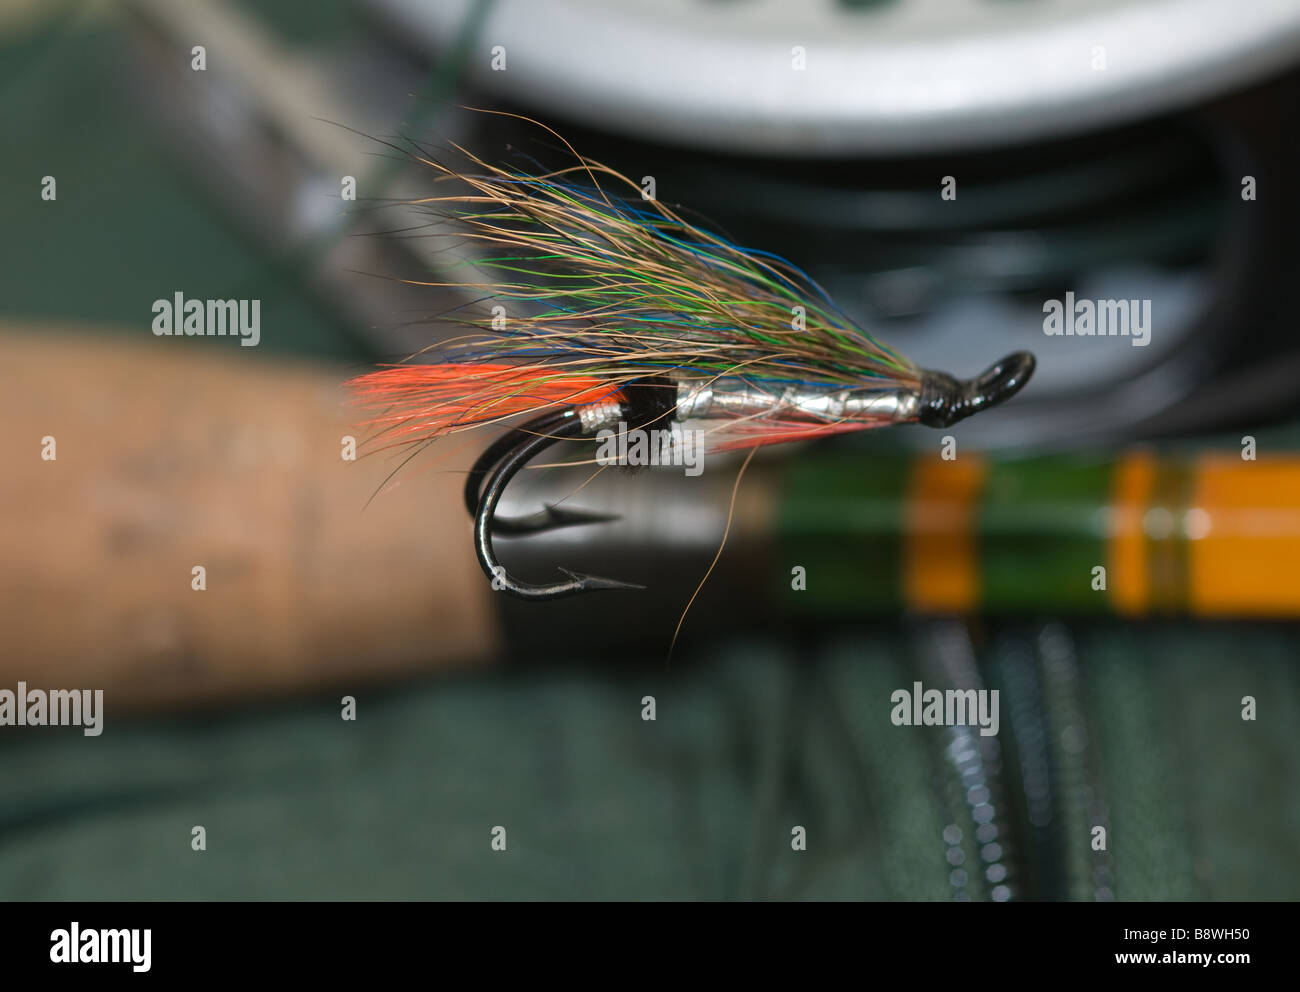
{"points": [[1000, 381], [945, 400]]}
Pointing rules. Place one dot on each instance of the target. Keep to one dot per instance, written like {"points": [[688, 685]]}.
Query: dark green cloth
{"points": [[698, 804]]}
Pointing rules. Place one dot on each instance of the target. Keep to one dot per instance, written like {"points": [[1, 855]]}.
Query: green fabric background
{"points": [[697, 804]]}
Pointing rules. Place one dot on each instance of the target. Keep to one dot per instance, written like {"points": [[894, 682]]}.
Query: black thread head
{"points": [[945, 400]]}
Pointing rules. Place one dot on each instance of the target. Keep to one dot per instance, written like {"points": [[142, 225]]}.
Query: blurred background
{"points": [[1112, 149]]}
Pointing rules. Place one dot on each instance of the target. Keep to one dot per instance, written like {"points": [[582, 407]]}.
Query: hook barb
{"points": [[511, 455], [550, 517]]}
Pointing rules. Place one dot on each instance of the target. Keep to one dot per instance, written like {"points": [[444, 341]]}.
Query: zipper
{"points": [[976, 837], [1083, 809], [1020, 816]]}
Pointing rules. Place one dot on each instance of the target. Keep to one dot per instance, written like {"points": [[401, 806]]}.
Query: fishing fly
{"points": [[614, 313]]}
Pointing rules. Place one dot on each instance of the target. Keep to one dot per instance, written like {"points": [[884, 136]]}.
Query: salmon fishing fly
{"points": [[620, 315]]}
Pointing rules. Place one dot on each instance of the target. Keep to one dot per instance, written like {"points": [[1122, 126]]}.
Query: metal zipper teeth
{"points": [[1089, 873], [1024, 710], [977, 844]]}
